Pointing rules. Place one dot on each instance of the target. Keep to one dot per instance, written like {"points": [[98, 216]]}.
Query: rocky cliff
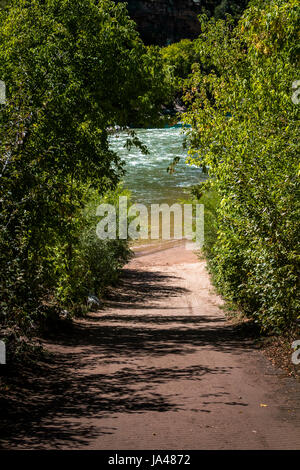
{"points": [[165, 21]]}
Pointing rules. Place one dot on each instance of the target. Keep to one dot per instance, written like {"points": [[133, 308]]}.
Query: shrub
{"points": [[245, 131]]}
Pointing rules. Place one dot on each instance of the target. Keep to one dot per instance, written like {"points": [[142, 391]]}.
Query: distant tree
{"points": [[180, 56], [233, 8]]}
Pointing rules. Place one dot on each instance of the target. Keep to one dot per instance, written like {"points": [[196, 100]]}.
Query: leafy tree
{"points": [[180, 57], [72, 68], [245, 131]]}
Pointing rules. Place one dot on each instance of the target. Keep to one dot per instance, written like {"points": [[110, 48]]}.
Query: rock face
{"points": [[165, 21]]}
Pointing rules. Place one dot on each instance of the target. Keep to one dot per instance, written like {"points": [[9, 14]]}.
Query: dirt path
{"points": [[158, 368]]}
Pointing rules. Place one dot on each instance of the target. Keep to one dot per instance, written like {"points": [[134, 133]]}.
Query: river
{"points": [[147, 176]]}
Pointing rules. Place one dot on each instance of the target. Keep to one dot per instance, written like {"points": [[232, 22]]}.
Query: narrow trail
{"points": [[158, 368]]}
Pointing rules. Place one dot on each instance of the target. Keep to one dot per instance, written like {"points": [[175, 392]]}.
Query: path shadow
{"points": [[100, 370], [138, 287], [55, 406]]}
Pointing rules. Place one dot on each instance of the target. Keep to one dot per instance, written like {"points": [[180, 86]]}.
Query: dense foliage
{"points": [[245, 132], [231, 7], [180, 57], [72, 68]]}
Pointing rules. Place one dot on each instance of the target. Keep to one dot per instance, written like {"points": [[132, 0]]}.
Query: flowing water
{"points": [[147, 176]]}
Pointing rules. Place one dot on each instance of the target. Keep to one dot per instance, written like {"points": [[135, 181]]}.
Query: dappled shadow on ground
{"points": [[100, 369], [138, 287], [115, 341]]}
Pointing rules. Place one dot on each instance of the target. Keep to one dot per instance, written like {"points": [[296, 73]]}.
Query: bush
{"points": [[94, 263], [211, 202], [245, 131], [180, 57], [72, 68]]}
